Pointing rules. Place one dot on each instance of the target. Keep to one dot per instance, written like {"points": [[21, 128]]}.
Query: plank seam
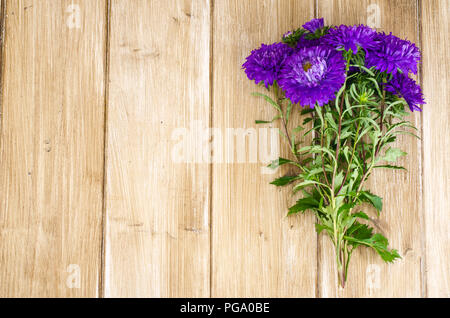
{"points": [[2, 62], [423, 277], [101, 286], [211, 122]]}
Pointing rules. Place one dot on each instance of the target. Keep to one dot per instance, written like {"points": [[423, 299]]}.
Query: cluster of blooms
{"points": [[314, 69]]}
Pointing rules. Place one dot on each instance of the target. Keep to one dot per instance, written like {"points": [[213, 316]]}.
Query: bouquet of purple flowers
{"points": [[353, 86]]}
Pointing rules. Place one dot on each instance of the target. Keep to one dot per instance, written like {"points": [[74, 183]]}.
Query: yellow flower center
{"points": [[306, 66]]}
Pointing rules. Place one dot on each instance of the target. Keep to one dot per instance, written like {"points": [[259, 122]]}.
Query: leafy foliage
{"points": [[350, 137], [354, 86]]}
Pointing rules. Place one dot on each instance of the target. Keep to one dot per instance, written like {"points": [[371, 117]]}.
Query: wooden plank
{"points": [[402, 213], [51, 155], [256, 250], [436, 118], [157, 210]]}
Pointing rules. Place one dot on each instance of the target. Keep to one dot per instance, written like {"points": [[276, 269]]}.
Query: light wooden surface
{"points": [[256, 250], [157, 211], [51, 162], [92, 181], [436, 145]]}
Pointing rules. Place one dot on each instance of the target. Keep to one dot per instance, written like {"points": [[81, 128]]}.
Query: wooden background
{"points": [[92, 204]]}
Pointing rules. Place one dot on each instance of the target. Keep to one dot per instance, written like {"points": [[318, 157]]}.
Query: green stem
{"points": [[377, 147], [351, 160], [289, 139], [323, 160], [337, 241], [341, 107], [349, 254], [343, 261]]}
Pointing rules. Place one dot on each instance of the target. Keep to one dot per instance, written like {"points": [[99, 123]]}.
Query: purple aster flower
{"points": [[313, 25], [303, 42], [313, 75], [264, 64], [403, 86], [351, 37], [288, 33], [393, 53]]}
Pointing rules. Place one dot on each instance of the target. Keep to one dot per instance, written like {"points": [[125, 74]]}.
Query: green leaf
{"points": [[346, 207], [279, 162], [298, 129], [288, 112], [345, 219], [307, 183], [339, 179], [284, 180], [365, 69], [360, 231], [346, 132], [380, 244], [306, 110], [390, 167], [304, 204], [267, 121], [317, 149], [338, 97], [373, 199], [268, 99], [321, 227], [361, 215], [307, 120], [392, 154], [294, 37], [376, 85], [330, 120]]}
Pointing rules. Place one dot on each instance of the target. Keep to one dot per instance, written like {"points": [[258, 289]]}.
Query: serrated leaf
{"points": [[346, 207], [360, 231], [283, 180], [392, 154], [304, 204], [380, 244], [373, 199], [321, 227], [361, 215]]}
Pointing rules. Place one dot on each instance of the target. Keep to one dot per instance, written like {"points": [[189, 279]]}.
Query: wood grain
{"points": [[256, 250], [51, 153], [157, 209], [436, 150], [169, 222], [402, 214]]}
